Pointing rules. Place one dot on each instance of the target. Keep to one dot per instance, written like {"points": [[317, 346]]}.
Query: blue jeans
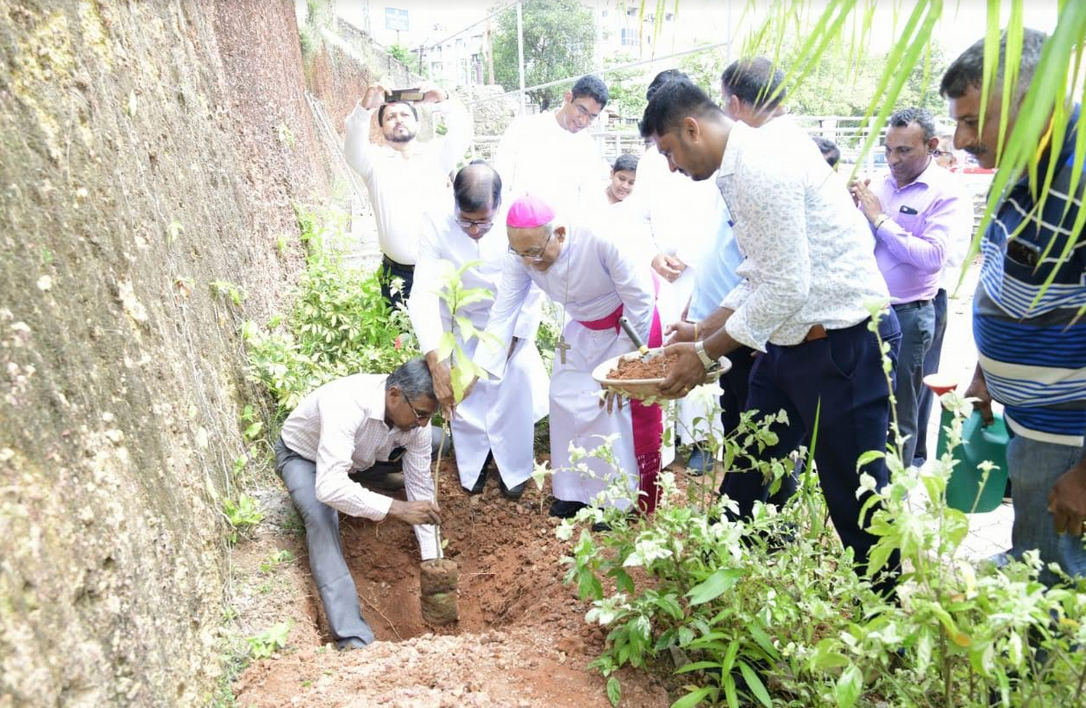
{"points": [[931, 365], [1034, 467], [917, 321]]}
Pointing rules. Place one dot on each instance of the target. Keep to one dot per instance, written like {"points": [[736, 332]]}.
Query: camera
{"points": [[402, 95]]}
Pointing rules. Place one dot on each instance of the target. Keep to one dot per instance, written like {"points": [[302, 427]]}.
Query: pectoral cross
{"points": [[562, 347]]}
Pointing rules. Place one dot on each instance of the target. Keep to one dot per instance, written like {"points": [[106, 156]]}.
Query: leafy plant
{"points": [[455, 296], [228, 291], [263, 645], [769, 610], [241, 515], [276, 559], [338, 324]]}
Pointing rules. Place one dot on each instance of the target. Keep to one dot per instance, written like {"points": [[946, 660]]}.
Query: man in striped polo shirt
{"points": [[1031, 340]]}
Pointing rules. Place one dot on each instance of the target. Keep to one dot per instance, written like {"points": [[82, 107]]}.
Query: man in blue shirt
{"points": [[1031, 339]]}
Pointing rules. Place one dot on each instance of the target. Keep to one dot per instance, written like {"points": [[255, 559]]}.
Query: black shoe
{"points": [[566, 509], [513, 493], [600, 526], [480, 484]]}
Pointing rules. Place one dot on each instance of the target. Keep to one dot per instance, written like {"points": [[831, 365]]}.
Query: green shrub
{"points": [[769, 610], [338, 323]]}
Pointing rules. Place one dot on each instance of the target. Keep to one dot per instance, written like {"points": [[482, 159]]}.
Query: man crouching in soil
{"points": [[351, 424]]}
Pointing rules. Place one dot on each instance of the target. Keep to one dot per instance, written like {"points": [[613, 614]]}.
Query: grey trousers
{"points": [[917, 329], [330, 573]]}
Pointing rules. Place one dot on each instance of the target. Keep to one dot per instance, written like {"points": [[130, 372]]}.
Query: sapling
{"points": [[438, 578]]}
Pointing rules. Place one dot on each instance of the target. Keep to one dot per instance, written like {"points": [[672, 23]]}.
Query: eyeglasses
{"points": [[585, 112], [533, 256], [483, 225], [419, 417]]}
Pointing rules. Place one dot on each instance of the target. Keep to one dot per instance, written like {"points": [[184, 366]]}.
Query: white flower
{"points": [[45, 282], [867, 484], [564, 530]]}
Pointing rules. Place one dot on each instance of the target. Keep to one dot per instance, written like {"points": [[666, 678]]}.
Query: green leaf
{"points": [[614, 691], [714, 586], [697, 666], [694, 697], [755, 684], [763, 641], [848, 687]]}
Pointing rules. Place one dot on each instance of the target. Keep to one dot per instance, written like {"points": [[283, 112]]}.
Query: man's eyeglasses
{"points": [[585, 112], [419, 417], [535, 255], [483, 225]]}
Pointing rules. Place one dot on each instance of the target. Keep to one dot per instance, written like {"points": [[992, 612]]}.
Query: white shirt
{"points": [[590, 279], [809, 252], [403, 187], [682, 215], [340, 427], [444, 240], [538, 156]]}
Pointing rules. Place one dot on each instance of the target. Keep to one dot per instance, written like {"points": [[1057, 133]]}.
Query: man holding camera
{"points": [[404, 177]]}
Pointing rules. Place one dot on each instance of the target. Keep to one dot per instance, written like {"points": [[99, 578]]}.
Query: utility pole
{"points": [[520, 51]]}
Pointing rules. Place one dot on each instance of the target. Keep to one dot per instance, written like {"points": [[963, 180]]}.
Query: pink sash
{"points": [[648, 421]]}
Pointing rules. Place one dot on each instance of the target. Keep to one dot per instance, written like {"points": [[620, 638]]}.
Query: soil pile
{"points": [[521, 639], [657, 367]]}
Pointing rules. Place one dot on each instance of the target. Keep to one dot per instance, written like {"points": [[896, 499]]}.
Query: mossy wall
{"points": [[148, 155]]}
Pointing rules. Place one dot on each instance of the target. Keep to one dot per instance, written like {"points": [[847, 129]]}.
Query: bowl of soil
{"points": [[633, 378]]}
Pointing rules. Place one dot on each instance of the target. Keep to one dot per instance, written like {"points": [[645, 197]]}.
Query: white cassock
{"points": [[591, 278], [500, 413], [538, 156], [682, 217]]}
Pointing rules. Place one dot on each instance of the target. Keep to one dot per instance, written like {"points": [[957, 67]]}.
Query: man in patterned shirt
{"points": [[1031, 339], [809, 276], [349, 424]]}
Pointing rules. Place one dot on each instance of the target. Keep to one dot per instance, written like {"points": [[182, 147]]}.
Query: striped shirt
{"points": [[341, 426], [1033, 354]]}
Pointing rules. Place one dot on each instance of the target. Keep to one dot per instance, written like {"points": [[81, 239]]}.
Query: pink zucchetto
{"points": [[529, 212]]}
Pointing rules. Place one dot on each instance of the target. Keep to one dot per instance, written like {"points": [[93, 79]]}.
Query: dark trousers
{"points": [[330, 573], [390, 269], [736, 384], [839, 378], [931, 365]]}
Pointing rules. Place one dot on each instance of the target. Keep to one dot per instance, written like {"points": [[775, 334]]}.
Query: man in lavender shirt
{"points": [[913, 211]]}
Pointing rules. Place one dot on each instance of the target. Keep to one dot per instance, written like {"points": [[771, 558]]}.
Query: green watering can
{"points": [[967, 490]]}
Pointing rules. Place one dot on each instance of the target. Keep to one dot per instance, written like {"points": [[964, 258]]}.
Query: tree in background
{"points": [[839, 85], [558, 42]]}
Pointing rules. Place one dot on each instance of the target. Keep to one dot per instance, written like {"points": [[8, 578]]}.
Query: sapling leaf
{"points": [[445, 346], [614, 691], [848, 687], [714, 586]]}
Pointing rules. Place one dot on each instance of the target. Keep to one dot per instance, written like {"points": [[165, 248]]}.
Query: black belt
{"points": [[914, 305], [394, 265]]}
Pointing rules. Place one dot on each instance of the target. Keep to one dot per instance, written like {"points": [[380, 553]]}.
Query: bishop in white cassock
{"points": [[500, 414], [596, 282]]}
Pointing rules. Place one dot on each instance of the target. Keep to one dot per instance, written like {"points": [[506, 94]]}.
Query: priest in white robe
{"points": [[596, 282], [500, 414], [551, 155]]}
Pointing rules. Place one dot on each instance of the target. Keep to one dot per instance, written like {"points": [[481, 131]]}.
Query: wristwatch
{"points": [[707, 362]]}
